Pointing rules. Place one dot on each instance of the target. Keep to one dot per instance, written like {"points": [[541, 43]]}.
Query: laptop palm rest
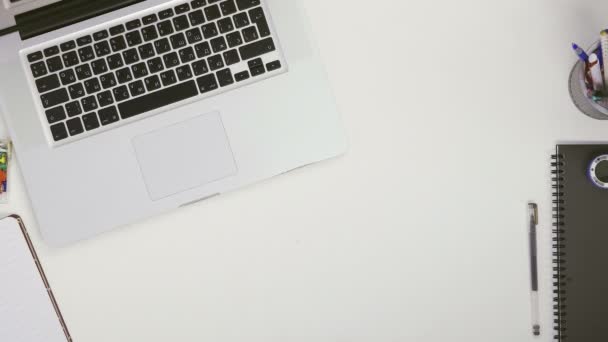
{"points": [[184, 156]]}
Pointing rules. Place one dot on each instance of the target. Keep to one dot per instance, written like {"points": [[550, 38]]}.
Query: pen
{"points": [[580, 53], [533, 215], [595, 70]]}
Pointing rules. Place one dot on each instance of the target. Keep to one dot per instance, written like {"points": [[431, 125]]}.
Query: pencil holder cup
{"points": [[578, 91]]}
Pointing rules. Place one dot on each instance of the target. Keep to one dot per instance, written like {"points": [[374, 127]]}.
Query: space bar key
{"points": [[157, 99]]}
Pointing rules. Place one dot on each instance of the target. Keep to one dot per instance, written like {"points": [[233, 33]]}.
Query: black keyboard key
{"points": [[165, 13], [121, 93], [200, 67], [196, 18], [234, 39], [149, 33], [133, 38], [241, 76], [102, 49], [241, 20], [99, 66], [186, 55], [139, 70], [178, 41], [89, 103], [231, 57], [245, 4], [168, 78], [250, 34], [228, 7], [83, 71], [124, 75], [76, 91], [257, 49], [258, 70], [171, 60], [115, 61], [256, 14], [212, 12], [55, 114], [67, 46], [149, 19], [255, 63], [157, 99], [86, 54], [155, 65], [152, 83], [197, 3], [51, 51], [194, 35], [133, 24], [258, 17], [59, 132], [118, 29], [38, 69], [218, 44], [54, 98], [184, 72], [181, 23], [165, 27], [225, 25], [90, 121], [130, 56], [47, 83], [273, 65], [202, 49], [84, 40], [100, 35], [107, 80], [92, 86], [73, 108], [34, 56], [54, 64], [74, 126], [118, 43], [206, 83], [105, 98], [146, 51], [224, 77], [162, 46], [183, 8], [108, 115], [209, 30], [67, 77], [137, 88], [71, 58], [215, 62]]}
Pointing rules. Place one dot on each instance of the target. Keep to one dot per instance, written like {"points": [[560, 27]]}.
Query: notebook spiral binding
{"points": [[559, 268]]}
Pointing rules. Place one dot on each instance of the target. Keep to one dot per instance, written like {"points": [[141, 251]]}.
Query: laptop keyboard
{"points": [[195, 49]]}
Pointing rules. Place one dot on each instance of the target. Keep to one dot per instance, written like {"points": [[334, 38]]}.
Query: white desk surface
{"points": [[417, 234]]}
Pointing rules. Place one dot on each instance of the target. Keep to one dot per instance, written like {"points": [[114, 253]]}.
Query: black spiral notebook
{"points": [[580, 246]]}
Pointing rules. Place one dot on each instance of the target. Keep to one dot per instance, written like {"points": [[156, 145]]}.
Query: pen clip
{"points": [[533, 213]]}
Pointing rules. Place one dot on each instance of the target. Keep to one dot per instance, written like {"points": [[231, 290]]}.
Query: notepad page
{"points": [[26, 311]]}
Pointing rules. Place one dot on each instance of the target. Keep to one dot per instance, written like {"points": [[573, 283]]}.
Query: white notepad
{"points": [[27, 311]]}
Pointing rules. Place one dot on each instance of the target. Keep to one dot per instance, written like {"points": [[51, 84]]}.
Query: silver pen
{"points": [[533, 216]]}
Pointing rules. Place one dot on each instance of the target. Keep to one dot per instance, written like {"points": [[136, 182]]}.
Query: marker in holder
{"points": [[5, 156]]}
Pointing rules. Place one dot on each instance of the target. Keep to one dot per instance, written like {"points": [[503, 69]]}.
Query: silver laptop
{"points": [[124, 109]]}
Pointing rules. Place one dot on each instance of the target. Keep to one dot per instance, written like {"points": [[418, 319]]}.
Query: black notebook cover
{"points": [[580, 246]]}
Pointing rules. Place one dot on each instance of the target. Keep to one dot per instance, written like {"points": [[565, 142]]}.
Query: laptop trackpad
{"points": [[184, 156]]}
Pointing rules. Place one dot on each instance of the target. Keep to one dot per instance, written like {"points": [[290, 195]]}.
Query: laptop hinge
{"points": [[60, 14]]}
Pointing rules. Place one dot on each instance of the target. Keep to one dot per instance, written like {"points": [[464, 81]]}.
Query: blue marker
{"points": [[580, 53]]}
